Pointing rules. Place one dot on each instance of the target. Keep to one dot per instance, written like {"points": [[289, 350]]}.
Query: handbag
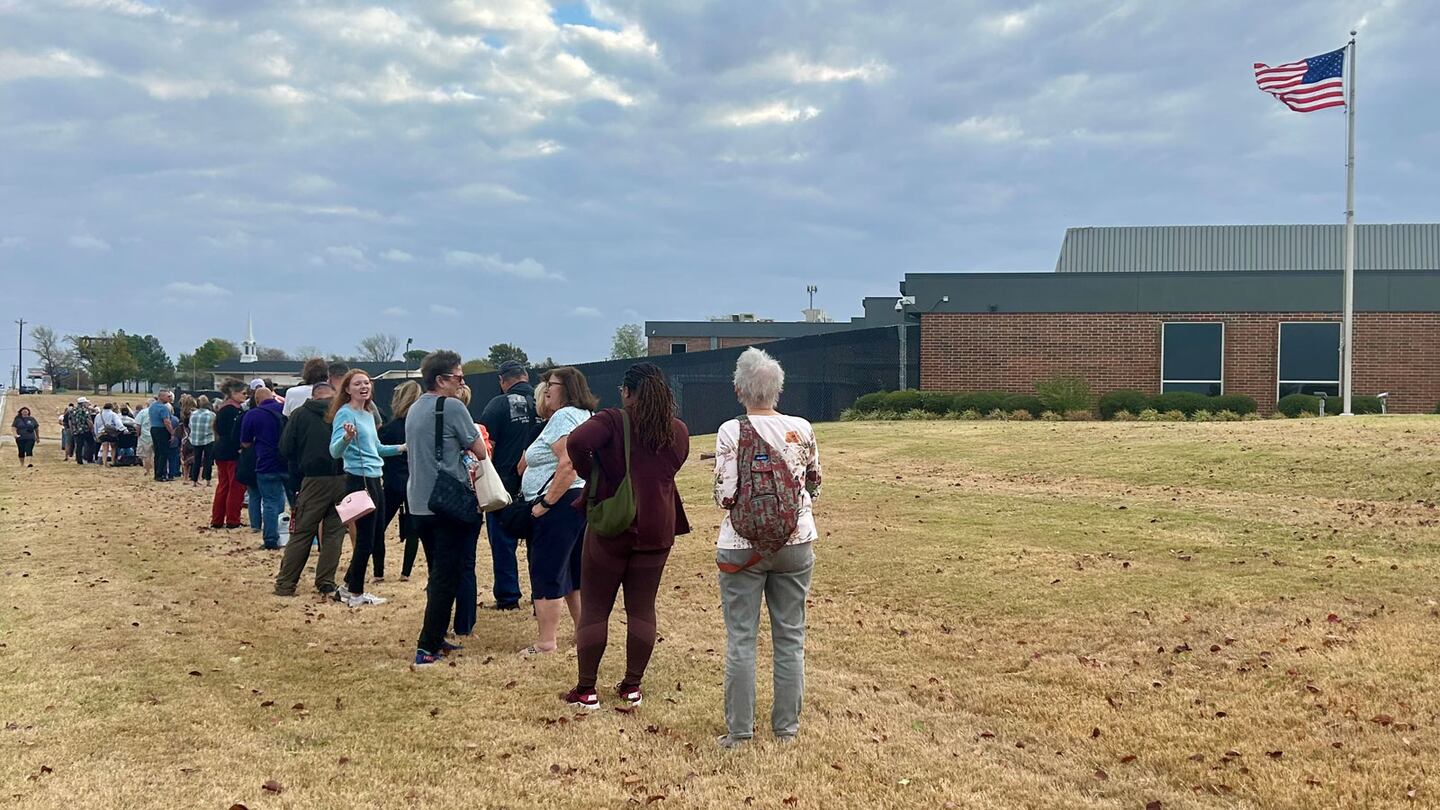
{"points": [[449, 497], [490, 493], [517, 519], [245, 467], [615, 514], [354, 506]]}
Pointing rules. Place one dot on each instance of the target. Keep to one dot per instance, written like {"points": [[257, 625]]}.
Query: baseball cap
{"points": [[256, 383], [85, 400], [511, 367]]}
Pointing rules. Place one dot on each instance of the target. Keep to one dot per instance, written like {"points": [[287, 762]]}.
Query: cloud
{"points": [[11, 241], [441, 309], [347, 254], [53, 64], [586, 312], [395, 312], [85, 241], [995, 128], [526, 268], [234, 239], [397, 256], [488, 191], [628, 40], [799, 71], [187, 289], [775, 112]]}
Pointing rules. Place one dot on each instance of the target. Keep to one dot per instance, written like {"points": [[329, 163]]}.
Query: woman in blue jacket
{"points": [[354, 438]]}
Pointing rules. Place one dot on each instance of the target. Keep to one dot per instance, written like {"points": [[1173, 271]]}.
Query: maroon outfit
{"points": [[635, 558]]}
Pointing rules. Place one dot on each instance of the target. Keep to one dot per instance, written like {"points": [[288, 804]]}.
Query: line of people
{"points": [[559, 456]]}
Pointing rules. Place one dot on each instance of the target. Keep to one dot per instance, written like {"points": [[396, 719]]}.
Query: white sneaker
{"points": [[341, 595], [354, 601], [371, 599]]}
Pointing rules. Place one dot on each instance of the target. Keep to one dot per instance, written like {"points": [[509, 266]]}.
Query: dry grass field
{"points": [[1070, 615]]}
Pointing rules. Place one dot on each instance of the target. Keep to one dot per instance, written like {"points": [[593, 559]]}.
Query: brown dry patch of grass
{"points": [[989, 627]]}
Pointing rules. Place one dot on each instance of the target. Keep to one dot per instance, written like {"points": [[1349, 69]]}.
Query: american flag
{"points": [[1308, 85]]}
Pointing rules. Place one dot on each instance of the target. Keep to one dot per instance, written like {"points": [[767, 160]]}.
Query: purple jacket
{"points": [[262, 427]]}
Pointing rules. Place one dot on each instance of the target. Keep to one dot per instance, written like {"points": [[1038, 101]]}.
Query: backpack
{"points": [[767, 498]]}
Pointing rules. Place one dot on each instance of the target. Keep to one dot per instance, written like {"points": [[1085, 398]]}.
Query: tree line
{"points": [[83, 362]]}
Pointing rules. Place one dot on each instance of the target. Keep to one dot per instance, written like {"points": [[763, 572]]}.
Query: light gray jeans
{"points": [[784, 581]]}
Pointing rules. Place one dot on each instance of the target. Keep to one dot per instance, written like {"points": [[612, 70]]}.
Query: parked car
{"points": [[29, 389]]}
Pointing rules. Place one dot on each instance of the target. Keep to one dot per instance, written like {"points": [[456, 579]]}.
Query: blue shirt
{"points": [[540, 459], [362, 456], [160, 414]]}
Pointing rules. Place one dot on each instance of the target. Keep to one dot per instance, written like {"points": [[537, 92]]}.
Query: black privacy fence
{"points": [[823, 376]]}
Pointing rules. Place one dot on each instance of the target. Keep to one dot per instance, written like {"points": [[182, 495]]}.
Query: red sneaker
{"points": [[588, 699], [628, 693]]}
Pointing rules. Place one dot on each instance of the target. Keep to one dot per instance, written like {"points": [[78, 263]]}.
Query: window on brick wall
{"points": [[1309, 358], [677, 348], [1192, 358]]}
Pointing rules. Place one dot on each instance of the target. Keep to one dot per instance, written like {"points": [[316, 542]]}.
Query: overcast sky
{"points": [[466, 172]]}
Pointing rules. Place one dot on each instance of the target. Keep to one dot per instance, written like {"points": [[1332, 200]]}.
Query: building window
{"points": [[1192, 358], [1309, 359], [677, 348]]}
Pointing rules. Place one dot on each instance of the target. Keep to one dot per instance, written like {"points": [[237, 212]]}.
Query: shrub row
{"points": [[1292, 405], [941, 403], [1146, 415], [1185, 402]]}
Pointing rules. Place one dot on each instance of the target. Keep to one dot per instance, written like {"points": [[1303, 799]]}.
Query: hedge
{"points": [[1124, 399]]}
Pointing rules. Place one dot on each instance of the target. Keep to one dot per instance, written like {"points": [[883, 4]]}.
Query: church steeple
{"points": [[249, 350]]}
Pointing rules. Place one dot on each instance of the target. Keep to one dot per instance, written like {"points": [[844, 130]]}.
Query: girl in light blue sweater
{"points": [[353, 438]]}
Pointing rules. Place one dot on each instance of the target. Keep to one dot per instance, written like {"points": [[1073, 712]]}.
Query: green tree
{"points": [[151, 361], [415, 356], [477, 367], [501, 352], [629, 342], [106, 357], [195, 366]]}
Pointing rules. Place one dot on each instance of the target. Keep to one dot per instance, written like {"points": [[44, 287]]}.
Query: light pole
{"points": [[812, 289]]}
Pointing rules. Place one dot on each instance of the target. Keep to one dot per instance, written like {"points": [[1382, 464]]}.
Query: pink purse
{"points": [[355, 506]]}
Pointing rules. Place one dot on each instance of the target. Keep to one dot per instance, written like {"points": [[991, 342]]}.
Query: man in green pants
{"points": [[306, 445]]}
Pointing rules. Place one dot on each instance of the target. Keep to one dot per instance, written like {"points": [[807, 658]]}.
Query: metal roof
{"points": [[1172, 248], [1183, 291]]}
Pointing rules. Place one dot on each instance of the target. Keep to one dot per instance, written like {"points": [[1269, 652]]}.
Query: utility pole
{"points": [[812, 289], [20, 354]]}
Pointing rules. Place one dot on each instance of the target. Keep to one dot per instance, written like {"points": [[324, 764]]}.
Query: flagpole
{"points": [[1348, 328]]}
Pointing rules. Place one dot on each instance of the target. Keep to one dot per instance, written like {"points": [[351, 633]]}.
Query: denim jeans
{"points": [[252, 507], [272, 503], [502, 558], [784, 580]]}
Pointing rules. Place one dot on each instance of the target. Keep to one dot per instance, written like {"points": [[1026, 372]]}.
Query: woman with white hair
{"points": [[777, 567]]}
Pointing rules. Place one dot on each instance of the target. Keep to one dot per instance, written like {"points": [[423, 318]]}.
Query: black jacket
{"points": [[306, 441], [227, 433], [397, 468]]}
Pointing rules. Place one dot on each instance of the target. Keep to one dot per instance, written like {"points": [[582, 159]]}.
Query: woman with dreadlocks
{"points": [[635, 557]]}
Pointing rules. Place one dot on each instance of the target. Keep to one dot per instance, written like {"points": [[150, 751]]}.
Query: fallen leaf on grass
{"points": [[790, 801], [273, 787], [658, 797], [1154, 805], [46, 769], [1274, 754], [238, 806], [632, 779], [1101, 775], [1382, 719], [1127, 759]]}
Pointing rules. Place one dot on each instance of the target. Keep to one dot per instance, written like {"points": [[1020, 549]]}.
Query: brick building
{"points": [[1218, 309]]}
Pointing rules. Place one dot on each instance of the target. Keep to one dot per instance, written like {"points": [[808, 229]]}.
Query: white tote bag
{"points": [[490, 491]]}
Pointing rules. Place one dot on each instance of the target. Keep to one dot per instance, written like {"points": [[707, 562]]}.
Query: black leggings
{"points": [[27, 448], [368, 531], [200, 458]]}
